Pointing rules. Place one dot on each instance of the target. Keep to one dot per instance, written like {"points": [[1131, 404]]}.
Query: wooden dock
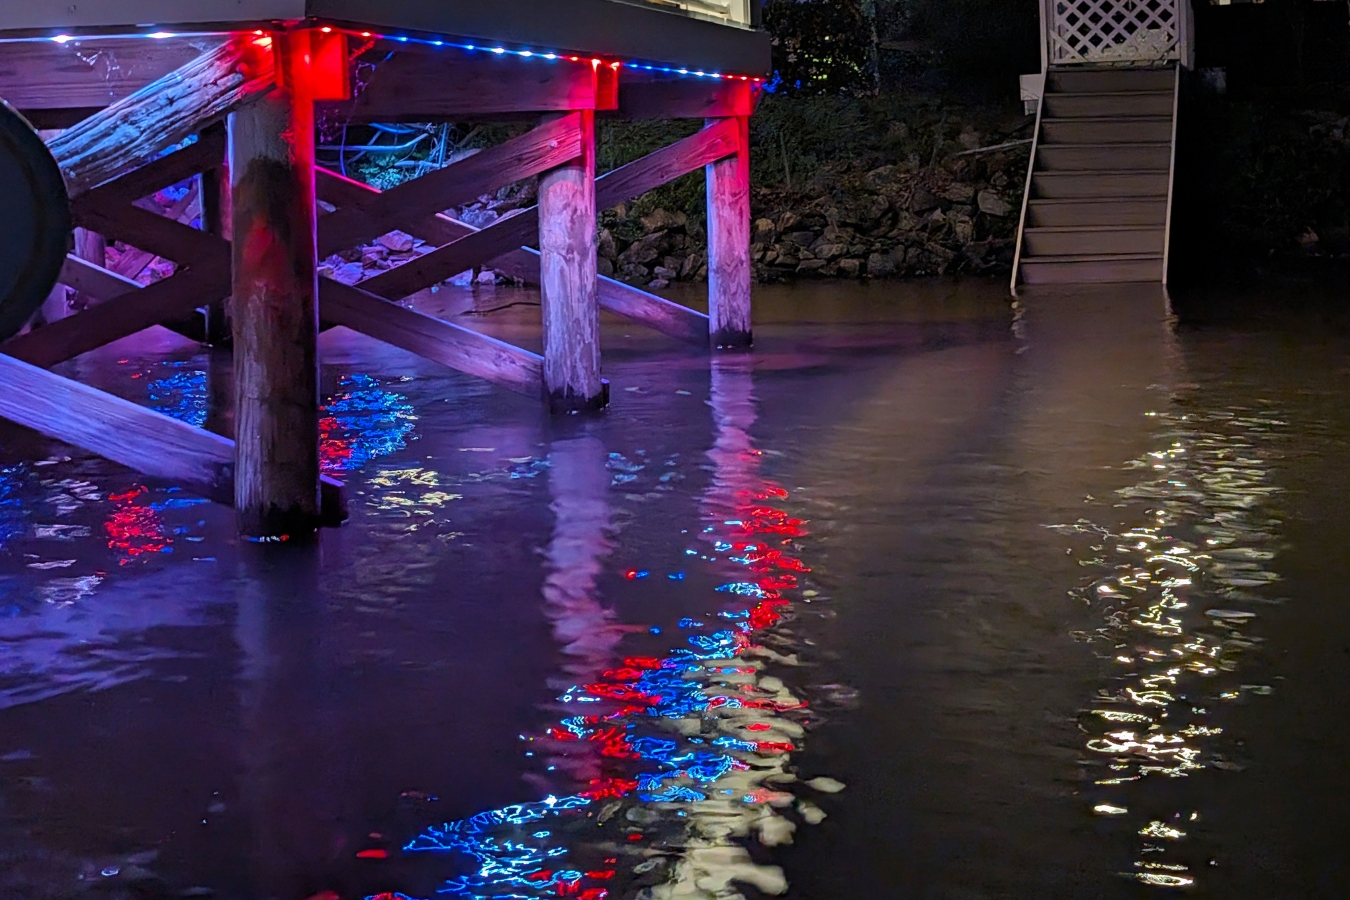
{"points": [[228, 98]]}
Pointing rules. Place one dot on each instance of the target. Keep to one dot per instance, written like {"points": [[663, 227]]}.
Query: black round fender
{"points": [[35, 226]]}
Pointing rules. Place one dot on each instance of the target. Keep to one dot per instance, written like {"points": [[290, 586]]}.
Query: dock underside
{"points": [[231, 116]]}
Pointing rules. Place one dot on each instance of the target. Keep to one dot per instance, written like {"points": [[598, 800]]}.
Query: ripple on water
{"points": [[1175, 584]]}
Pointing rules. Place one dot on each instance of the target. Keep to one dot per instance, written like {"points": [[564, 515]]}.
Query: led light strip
{"points": [[497, 50]]}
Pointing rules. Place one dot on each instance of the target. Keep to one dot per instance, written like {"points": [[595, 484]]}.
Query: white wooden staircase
{"points": [[1099, 187]]}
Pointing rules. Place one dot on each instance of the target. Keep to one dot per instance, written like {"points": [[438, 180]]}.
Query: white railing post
{"points": [[1046, 24]]}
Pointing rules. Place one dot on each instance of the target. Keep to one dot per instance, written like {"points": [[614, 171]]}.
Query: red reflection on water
{"points": [[134, 528]]}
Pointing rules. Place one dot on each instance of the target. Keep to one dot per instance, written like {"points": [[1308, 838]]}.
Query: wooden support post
{"points": [[216, 218], [568, 281], [92, 247], [729, 274], [275, 305]]}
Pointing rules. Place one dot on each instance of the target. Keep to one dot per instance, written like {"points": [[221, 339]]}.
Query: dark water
{"points": [[920, 600]]}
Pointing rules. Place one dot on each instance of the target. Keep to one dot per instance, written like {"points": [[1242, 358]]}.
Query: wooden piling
{"points": [[216, 219], [275, 305], [729, 275], [568, 281]]}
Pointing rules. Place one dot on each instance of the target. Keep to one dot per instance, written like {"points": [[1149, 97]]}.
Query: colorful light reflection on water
{"points": [[687, 753]]}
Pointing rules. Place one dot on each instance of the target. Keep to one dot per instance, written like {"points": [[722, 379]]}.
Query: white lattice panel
{"points": [[1089, 31]]}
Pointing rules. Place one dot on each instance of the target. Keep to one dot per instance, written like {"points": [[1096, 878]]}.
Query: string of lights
{"points": [[440, 43]]}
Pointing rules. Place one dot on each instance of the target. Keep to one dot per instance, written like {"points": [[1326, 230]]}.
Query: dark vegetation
{"points": [[881, 148]]}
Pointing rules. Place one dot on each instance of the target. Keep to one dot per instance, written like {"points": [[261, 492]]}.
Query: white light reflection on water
{"points": [[662, 768], [1177, 586]]}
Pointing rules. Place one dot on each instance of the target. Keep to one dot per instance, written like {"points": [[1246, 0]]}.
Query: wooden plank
{"points": [[90, 72], [529, 154], [274, 305], [654, 312], [425, 87], [150, 231], [205, 153], [730, 279], [471, 250], [141, 439], [665, 165], [568, 282], [645, 95], [505, 235], [95, 282], [162, 301], [452, 345], [134, 131]]}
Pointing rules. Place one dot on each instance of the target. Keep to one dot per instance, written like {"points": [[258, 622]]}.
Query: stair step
{"points": [[1097, 211], [1083, 184], [1077, 157], [1115, 103], [1107, 80], [1093, 269], [1089, 240], [1107, 130]]}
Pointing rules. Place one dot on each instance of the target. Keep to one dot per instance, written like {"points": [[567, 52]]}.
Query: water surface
{"points": [[925, 598]]}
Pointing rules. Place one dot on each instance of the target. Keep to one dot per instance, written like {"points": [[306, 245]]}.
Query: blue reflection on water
{"points": [[181, 395], [362, 422]]}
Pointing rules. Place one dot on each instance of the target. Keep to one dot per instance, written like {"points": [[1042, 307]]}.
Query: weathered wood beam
{"points": [[141, 439], [568, 287], [96, 282], [163, 172], [274, 305], [730, 279], [543, 148], [665, 165], [452, 345], [421, 87], [654, 312], [645, 95], [623, 184], [162, 301], [90, 72], [150, 231], [135, 130]]}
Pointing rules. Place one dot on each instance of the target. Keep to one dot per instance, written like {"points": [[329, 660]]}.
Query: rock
{"points": [[349, 273], [1000, 180], [658, 283], [605, 267], [663, 220], [810, 265], [372, 255], [850, 268], [994, 205], [829, 251], [487, 276], [959, 193], [963, 228], [608, 248], [802, 238], [664, 274], [396, 241], [881, 265], [763, 231], [922, 201], [690, 267], [970, 138], [787, 221], [882, 176]]}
